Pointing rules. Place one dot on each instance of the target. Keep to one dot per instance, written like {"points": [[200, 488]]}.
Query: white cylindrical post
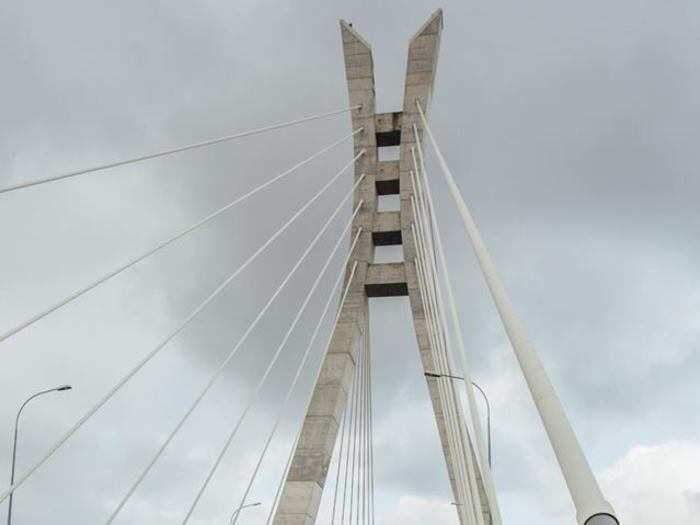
{"points": [[591, 506]]}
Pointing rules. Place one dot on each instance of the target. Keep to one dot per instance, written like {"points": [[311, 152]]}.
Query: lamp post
{"points": [[239, 509], [61, 388], [488, 407], [488, 419]]}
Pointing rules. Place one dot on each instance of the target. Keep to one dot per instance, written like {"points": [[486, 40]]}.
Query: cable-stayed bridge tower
{"points": [[410, 228], [415, 228], [339, 408]]}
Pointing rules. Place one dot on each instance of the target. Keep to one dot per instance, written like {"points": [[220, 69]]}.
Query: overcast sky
{"points": [[572, 129]]}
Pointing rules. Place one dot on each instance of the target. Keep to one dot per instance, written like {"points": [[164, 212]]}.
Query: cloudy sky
{"points": [[572, 129]]}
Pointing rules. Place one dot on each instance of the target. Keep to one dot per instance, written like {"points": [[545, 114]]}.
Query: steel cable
{"points": [[151, 251], [179, 149], [172, 334]]}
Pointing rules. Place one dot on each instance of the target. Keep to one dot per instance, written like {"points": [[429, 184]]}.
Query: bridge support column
{"points": [[301, 494], [303, 487]]}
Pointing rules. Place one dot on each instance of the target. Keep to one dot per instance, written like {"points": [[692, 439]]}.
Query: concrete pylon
{"points": [[301, 494]]}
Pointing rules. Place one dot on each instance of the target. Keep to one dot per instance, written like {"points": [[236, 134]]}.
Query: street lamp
{"points": [[488, 407], [61, 388], [488, 419], [235, 512]]}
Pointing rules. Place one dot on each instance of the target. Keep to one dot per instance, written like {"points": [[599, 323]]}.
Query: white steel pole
{"points": [[591, 506]]}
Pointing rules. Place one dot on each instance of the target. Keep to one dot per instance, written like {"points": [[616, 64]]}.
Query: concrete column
{"points": [[303, 487], [421, 67]]}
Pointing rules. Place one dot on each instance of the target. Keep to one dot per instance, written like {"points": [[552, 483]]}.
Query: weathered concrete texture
{"points": [[386, 280], [388, 129], [388, 170], [387, 178], [359, 72], [307, 475], [301, 501], [386, 229], [421, 69], [387, 122], [303, 487], [384, 273], [387, 221]]}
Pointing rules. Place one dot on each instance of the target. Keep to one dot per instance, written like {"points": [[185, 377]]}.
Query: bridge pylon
{"points": [[303, 487]]}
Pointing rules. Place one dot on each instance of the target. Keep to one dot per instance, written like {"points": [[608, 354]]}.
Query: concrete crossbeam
{"points": [[385, 273], [386, 229], [301, 493], [387, 178], [387, 122]]}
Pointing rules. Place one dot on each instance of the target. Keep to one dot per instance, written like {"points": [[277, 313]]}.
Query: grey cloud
{"points": [[572, 130]]}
